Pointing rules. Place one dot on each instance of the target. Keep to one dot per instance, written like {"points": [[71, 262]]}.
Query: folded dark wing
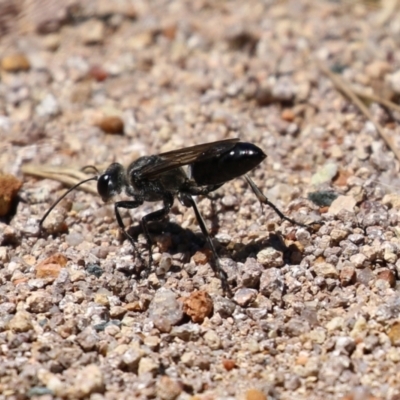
{"points": [[188, 155]]}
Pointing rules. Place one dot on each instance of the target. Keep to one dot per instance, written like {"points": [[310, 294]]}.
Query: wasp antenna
{"points": [[93, 178], [93, 167]]}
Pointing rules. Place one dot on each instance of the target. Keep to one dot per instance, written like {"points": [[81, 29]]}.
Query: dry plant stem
{"points": [[372, 97], [387, 12], [65, 175], [345, 89]]}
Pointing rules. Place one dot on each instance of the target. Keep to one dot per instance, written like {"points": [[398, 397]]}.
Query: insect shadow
{"points": [[162, 178], [186, 241], [182, 239], [240, 252]]}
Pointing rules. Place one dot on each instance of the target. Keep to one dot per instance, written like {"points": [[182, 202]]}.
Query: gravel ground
{"points": [[314, 312]]}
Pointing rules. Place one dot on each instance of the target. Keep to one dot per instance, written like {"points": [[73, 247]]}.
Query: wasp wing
{"points": [[188, 155]]}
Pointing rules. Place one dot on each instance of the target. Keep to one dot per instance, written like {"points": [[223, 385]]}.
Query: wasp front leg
{"points": [[264, 200], [129, 204]]}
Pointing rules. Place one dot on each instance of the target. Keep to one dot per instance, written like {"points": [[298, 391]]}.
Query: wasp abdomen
{"points": [[237, 161]]}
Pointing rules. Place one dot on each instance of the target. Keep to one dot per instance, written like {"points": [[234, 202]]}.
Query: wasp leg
{"points": [[156, 216], [263, 200], [218, 270], [128, 205]]}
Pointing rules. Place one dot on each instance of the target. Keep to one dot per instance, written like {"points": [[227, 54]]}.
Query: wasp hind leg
{"points": [[188, 200], [264, 200]]}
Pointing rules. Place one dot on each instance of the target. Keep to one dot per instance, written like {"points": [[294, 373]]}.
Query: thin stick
{"points": [[67, 176], [380, 100], [346, 90], [387, 12]]}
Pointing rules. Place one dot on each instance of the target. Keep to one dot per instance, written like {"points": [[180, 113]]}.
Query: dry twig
{"points": [[65, 175], [376, 99], [350, 93]]}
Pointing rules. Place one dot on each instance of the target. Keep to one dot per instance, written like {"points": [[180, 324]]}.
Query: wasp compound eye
{"points": [[111, 182], [105, 186]]}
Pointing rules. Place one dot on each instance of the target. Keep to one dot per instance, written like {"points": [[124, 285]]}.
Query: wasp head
{"points": [[111, 182]]}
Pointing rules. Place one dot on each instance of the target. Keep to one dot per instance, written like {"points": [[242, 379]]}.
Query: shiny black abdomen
{"points": [[237, 161]]}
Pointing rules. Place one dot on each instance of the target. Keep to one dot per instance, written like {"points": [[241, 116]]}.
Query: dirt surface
{"points": [[315, 310]]}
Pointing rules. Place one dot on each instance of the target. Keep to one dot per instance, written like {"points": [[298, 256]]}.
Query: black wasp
{"points": [[162, 178]]}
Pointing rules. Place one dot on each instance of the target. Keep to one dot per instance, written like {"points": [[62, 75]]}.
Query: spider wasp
{"points": [[162, 178]]}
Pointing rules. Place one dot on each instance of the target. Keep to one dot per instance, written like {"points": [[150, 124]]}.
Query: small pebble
{"points": [[345, 345], [212, 340], [48, 107], [228, 364], [9, 188], [87, 381], [365, 276], [326, 270], [342, 203], [15, 63], [394, 334], [250, 273], [165, 310], [230, 201], [318, 335], [92, 32], [74, 239], [271, 280], [388, 276], [4, 254], [323, 198], [147, 365], [112, 124], [39, 302], [347, 275], [168, 388], [377, 69], [7, 308], [50, 268], [77, 275], [324, 174], [188, 358], [288, 115], [334, 324], [52, 41], [117, 312], [52, 382], [164, 242], [270, 257], [21, 322], [202, 362], [152, 342], [201, 257], [98, 73], [102, 299], [338, 235], [394, 81], [198, 306], [94, 269], [164, 264], [244, 296], [187, 332], [131, 358], [55, 222], [254, 394], [358, 260]]}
